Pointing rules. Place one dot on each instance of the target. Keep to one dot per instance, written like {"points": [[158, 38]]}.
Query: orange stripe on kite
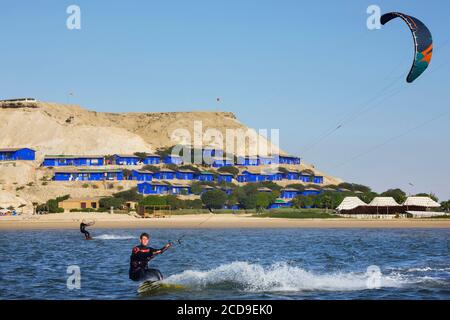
{"points": [[427, 53]]}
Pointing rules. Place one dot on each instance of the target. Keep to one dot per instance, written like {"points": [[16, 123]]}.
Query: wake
{"points": [[279, 277], [113, 237]]}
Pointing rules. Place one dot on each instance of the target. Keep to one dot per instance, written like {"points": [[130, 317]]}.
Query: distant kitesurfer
{"points": [[83, 230], [140, 256]]}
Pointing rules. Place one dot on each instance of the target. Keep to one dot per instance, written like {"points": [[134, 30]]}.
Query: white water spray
{"points": [[113, 237], [279, 277]]}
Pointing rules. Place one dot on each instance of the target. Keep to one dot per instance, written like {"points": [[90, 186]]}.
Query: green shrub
{"points": [[298, 186], [193, 204], [150, 168], [246, 196], [214, 199], [109, 202], [308, 172], [445, 205], [429, 195], [268, 184], [189, 167], [283, 170], [198, 186], [354, 187], [263, 200], [229, 169], [127, 173], [141, 155], [51, 206], [367, 197], [83, 210], [174, 202], [172, 166], [153, 201], [303, 201], [232, 200], [162, 152], [398, 194], [62, 198], [129, 195]]}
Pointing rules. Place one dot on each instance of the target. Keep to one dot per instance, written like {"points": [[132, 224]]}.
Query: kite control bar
{"points": [[184, 234], [178, 241]]}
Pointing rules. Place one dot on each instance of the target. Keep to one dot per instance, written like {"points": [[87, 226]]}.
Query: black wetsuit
{"points": [[140, 256], [84, 231]]}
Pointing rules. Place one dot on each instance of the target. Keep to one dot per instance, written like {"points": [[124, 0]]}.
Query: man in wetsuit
{"points": [[140, 256], [83, 230]]}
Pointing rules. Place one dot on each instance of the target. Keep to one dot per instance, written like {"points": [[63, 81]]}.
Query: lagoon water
{"points": [[233, 264]]}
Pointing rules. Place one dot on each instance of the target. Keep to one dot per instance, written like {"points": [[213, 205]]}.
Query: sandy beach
{"points": [[106, 220]]}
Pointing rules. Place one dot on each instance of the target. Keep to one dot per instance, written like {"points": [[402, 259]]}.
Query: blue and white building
{"points": [[126, 159], [173, 159], [164, 174], [289, 193], [14, 154], [204, 176], [88, 175], [185, 174], [152, 159], [153, 187], [73, 160], [141, 175], [224, 177]]}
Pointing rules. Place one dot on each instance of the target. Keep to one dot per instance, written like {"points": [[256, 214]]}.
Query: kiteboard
{"points": [[151, 287]]}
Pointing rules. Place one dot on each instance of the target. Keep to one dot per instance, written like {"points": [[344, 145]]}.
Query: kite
{"points": [[423, 43]]}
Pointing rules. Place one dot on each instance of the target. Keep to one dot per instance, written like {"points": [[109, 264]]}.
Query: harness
{"points": [[140, 263]]}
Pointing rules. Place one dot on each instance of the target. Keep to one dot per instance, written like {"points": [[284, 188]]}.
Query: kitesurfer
{"points": [[83, 230], [140, 256]]}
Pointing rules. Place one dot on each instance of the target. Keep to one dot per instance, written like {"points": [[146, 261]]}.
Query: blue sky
{"points": [[300, 67]]}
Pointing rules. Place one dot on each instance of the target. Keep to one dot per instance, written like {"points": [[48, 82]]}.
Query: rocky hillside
{"points": [[68, 129], [53, 128]]}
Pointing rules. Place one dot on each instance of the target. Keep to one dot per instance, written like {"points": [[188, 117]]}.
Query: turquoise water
{"points": [[232, 264]]}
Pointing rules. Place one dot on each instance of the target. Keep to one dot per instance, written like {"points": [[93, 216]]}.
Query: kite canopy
{"points": [[423, 42]]}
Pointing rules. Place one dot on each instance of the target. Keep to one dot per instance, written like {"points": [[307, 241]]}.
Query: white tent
{"points": [[421, 202], [383, 202], [350, 203]]}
